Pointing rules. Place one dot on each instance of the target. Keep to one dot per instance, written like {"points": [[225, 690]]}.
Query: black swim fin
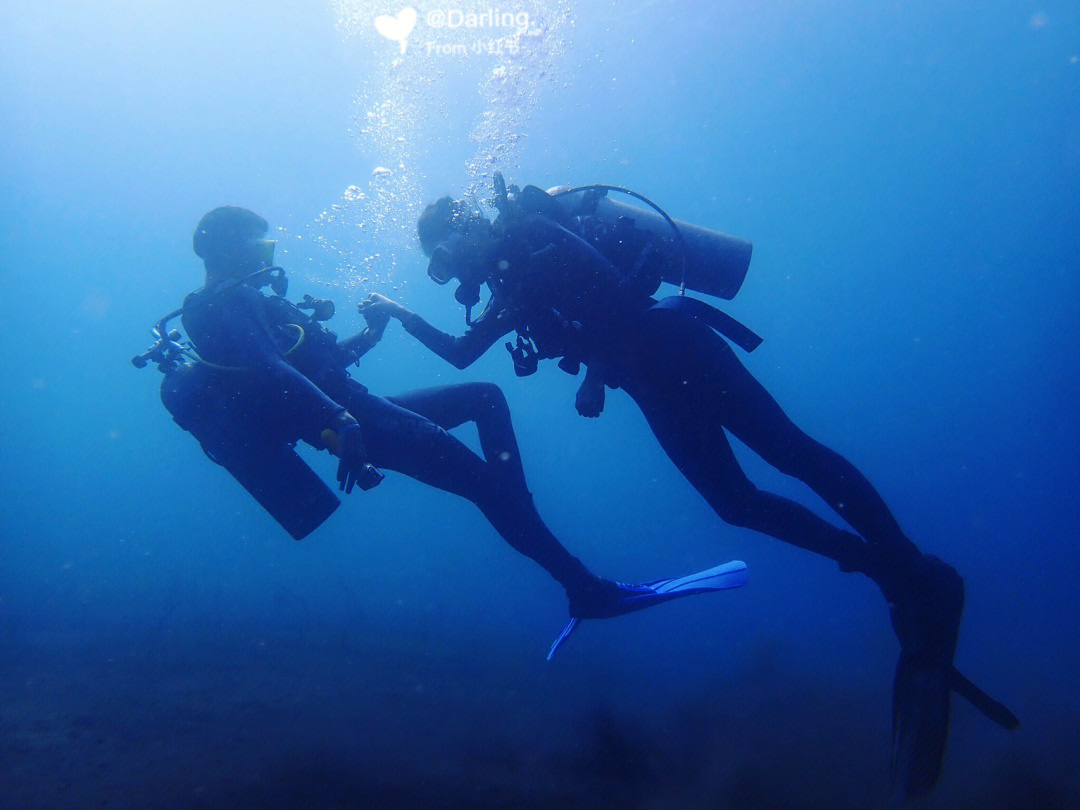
{"points": [[991, 709], [920, 725], [926, 616]]}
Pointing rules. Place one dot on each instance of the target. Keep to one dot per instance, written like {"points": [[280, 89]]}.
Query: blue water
{"points": [[909, 174]]}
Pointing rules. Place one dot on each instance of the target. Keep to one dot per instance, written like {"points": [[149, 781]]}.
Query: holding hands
{"points": [[378, 310]]}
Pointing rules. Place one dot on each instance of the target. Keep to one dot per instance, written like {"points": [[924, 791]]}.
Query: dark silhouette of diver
{"points": [[260, 373], [560, 282]]}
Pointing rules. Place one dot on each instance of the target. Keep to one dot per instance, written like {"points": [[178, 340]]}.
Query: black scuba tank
{"points": [[715, 263], [261, 457], [636, 242]]}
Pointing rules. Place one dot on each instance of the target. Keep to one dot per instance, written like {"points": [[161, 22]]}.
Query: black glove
{"points": [[348, 445]]}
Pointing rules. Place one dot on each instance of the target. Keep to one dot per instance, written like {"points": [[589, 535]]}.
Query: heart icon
{"points": [[397, 28]]}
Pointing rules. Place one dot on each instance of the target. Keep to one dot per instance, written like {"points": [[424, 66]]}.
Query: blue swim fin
{"points": [[615, 598]]}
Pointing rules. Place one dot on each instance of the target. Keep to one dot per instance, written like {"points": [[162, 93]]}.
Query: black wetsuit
{"points": [[557, 288], [305, 387]]}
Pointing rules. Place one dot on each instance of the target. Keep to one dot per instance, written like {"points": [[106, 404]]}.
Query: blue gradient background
{"points": [[909, 174]]}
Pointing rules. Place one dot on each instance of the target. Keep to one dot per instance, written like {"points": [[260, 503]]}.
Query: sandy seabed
{"points": [[228, 716]]}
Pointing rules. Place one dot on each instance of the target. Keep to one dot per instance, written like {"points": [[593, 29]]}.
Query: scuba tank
{"points": [[715, 263], [703, 260], [263, 461]]}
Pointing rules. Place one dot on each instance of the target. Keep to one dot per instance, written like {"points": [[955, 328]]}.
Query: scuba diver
{"points": [[575, 273], [259, 373]]}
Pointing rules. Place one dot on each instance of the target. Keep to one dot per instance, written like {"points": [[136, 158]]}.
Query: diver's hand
{"points": [[590, 398], [347, 444], [378, 310]]}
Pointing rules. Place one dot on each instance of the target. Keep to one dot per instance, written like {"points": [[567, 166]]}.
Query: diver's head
{"points": [[459, 242], [232, 242]]}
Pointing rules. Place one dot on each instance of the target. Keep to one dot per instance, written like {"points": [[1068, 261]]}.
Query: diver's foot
{"points": [[926, 608], [926, 618], [605, 598], [598, 598]]}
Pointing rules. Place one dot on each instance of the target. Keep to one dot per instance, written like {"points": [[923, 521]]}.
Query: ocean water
{"points": [[909, 175]]}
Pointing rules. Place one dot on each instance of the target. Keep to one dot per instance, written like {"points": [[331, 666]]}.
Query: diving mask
{"points": [[446, 259], [262, 251]]}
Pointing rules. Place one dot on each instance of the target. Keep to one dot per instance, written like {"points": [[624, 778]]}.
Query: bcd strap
{"points": [[722, 323]]}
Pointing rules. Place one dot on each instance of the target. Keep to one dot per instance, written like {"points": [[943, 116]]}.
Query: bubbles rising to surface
{"points": [[460, 95]]}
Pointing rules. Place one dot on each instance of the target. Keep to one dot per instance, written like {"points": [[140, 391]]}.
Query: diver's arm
{"points": [[300, 400], [362, 343], [460, 352], [321, 421]]}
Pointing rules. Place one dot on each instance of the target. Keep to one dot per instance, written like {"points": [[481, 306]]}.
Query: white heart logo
{"points": [[397, 28]]}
